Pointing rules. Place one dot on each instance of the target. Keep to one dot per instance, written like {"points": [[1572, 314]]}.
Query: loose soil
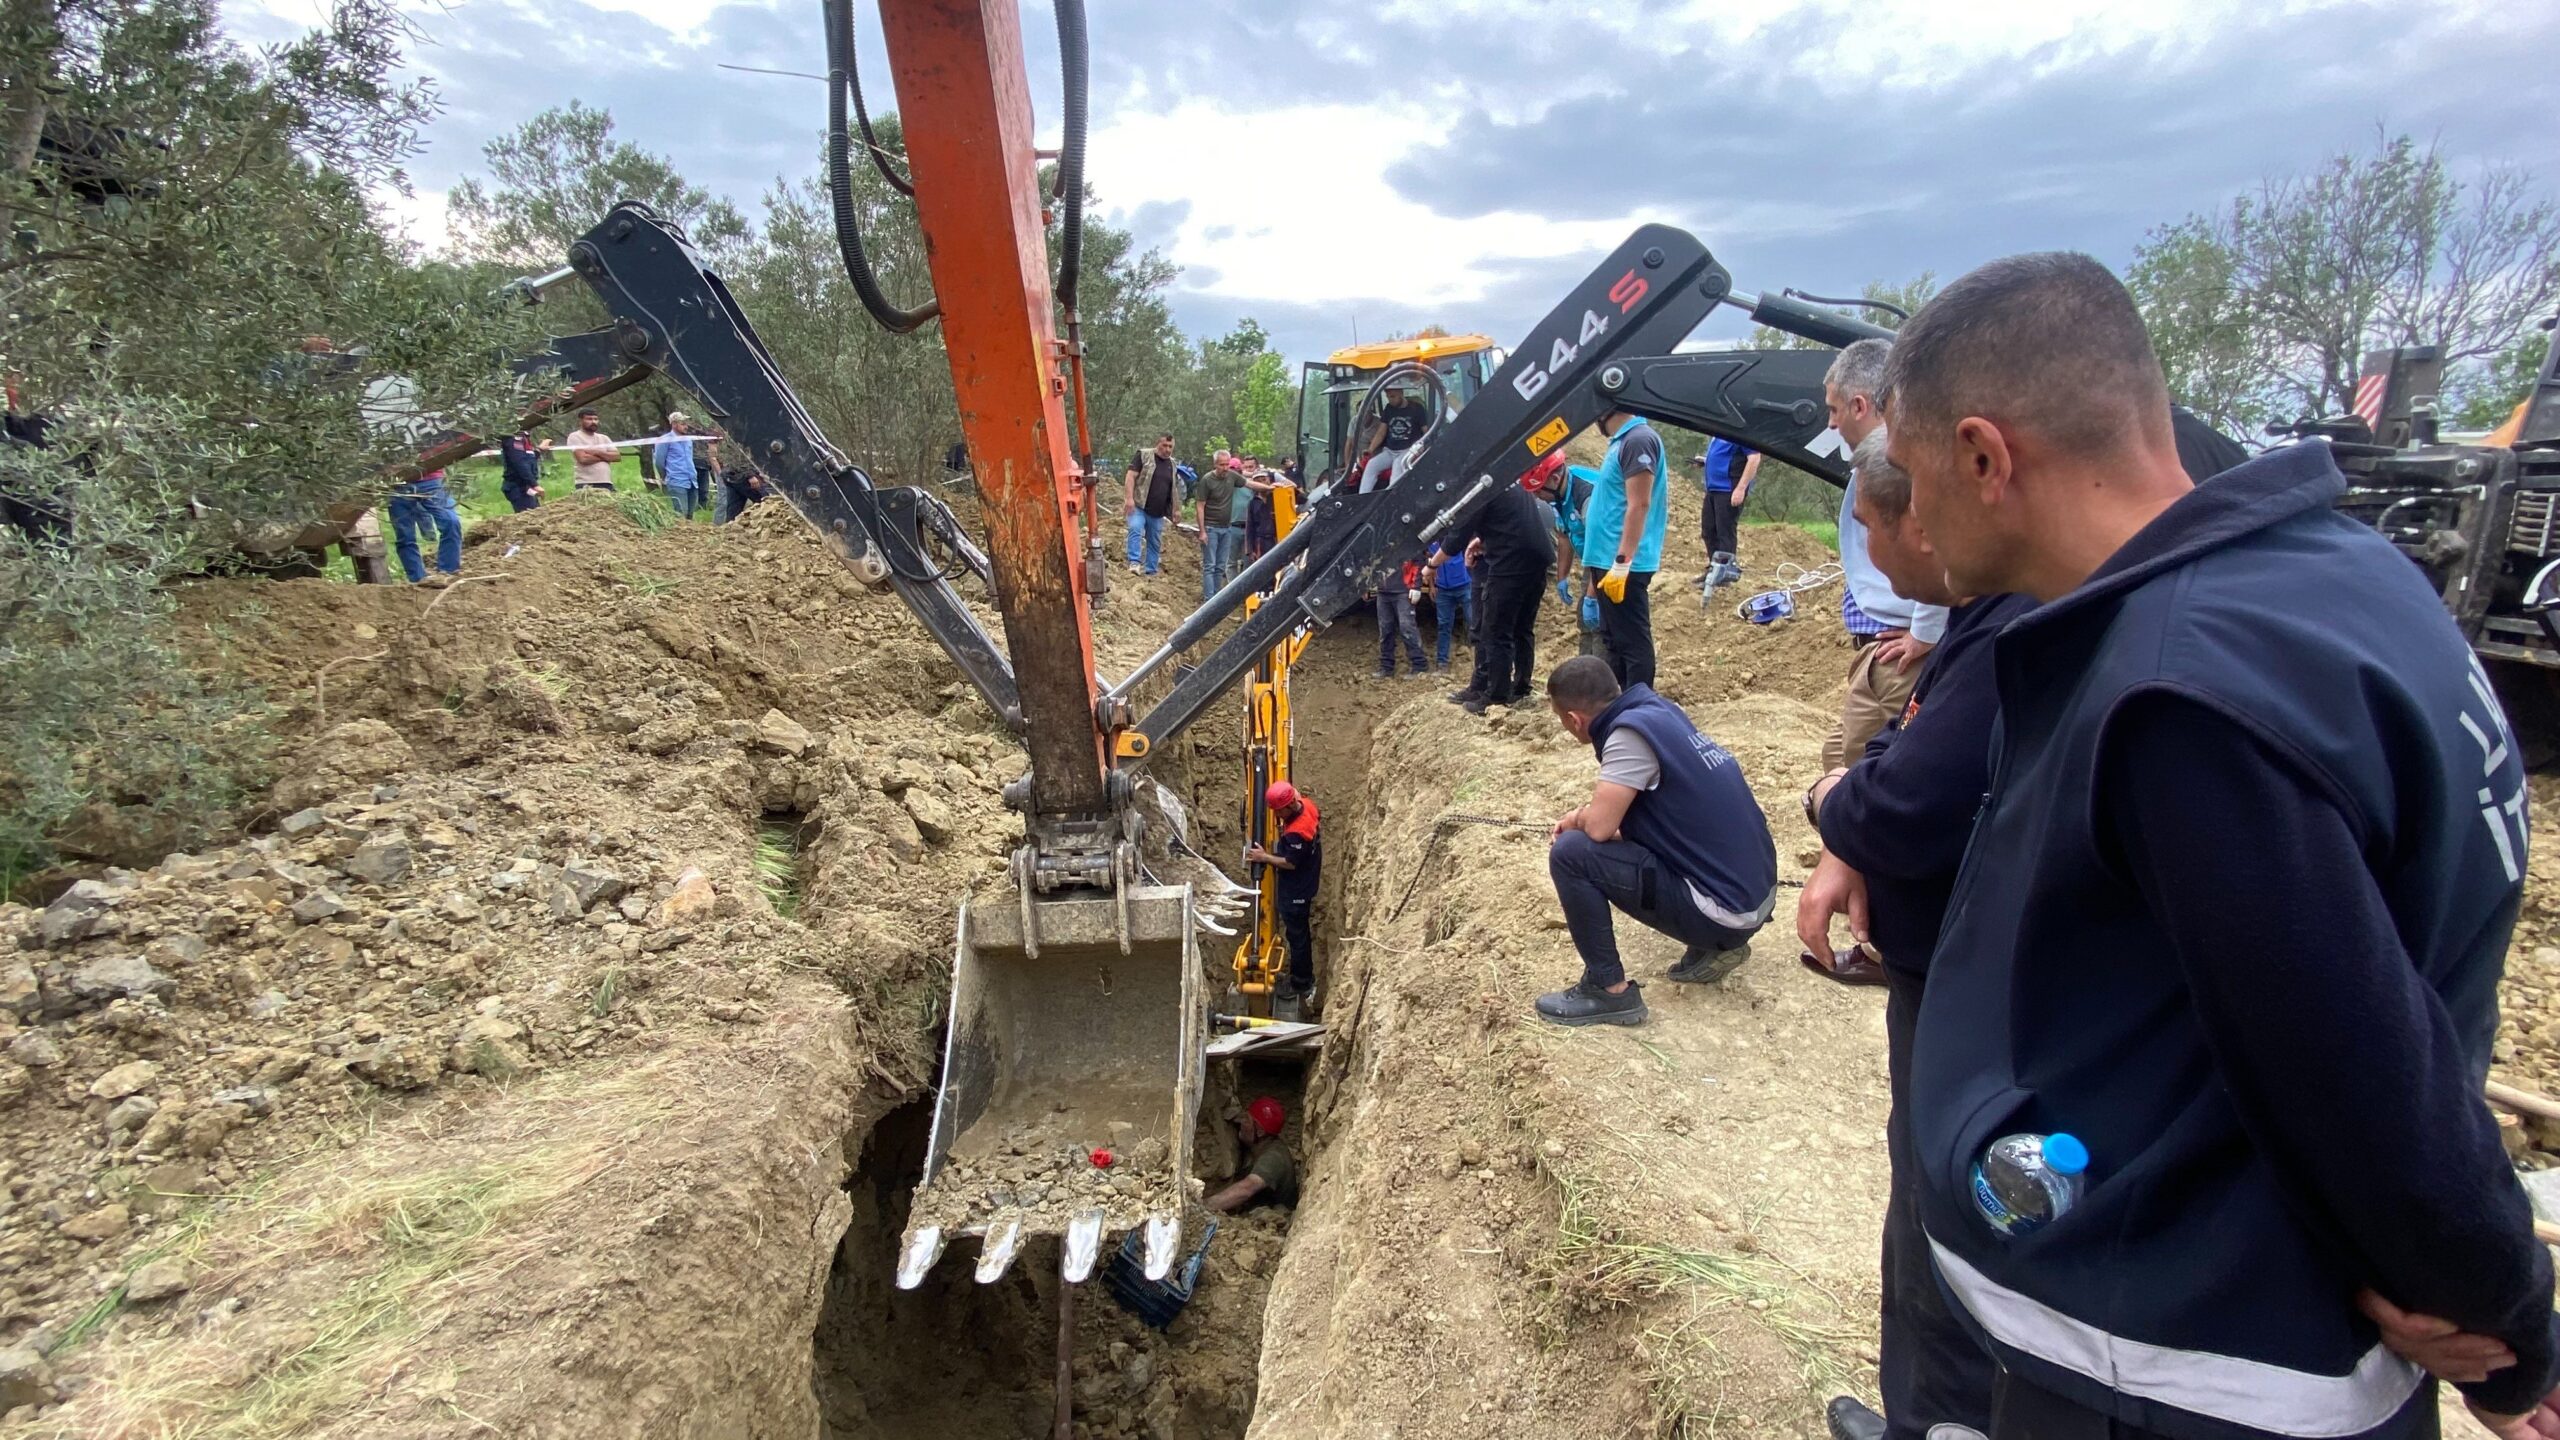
{"points": [[551, 1052]]}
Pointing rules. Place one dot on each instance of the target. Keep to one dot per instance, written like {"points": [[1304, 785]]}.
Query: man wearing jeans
{"points": [[676, 467], [1671, 835], [415, 506], [1453, 597], [1148, 489], [1219, 537]]}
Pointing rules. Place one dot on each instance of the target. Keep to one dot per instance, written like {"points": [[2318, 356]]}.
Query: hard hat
{"points": [[1281, 795], [1268, 1114]]}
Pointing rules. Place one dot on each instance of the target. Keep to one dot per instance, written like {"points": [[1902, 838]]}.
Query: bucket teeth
{"points": [[924, 1246], [1003, 1238], [1084, 1243], [1164, 1236]]}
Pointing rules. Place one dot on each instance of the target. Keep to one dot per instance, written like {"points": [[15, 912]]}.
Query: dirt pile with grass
{"points": [[599, 898]]}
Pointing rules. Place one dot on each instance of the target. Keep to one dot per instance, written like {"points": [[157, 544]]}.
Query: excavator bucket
{"points": [[1070, 1082]]}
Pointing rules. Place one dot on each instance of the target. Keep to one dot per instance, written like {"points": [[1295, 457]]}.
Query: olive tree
{"points": [[185, 220]]}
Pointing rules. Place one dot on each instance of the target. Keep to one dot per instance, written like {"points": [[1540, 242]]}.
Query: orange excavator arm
{"points": [[967, 109]]}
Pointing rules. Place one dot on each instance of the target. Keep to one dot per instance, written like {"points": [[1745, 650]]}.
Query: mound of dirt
{"points": [[623, 803]]}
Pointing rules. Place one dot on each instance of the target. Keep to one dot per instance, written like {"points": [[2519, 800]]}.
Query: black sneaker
{"points": [[1703, 965], [1478, 705], [1461, 697], [1589, 1004], [1850, 1419]]}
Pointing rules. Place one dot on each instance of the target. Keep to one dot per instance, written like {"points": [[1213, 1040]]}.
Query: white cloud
{"points": [[1350, 238]]}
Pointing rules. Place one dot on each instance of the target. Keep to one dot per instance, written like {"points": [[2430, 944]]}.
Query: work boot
{"points": [[1589, 1004], [1705, 964], [1467, 696], [1850, 1419], [1478, 705]]}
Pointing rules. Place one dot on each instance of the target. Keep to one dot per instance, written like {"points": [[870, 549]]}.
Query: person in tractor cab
{"points": [[1271, 1172], [1671, 835], [1399, 424], [1299, 857]]}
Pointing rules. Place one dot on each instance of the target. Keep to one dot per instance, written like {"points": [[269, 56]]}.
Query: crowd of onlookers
{"points": [[681, 462]]}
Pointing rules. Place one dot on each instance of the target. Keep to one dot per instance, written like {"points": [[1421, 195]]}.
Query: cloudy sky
{"points": [[1332, 166]]}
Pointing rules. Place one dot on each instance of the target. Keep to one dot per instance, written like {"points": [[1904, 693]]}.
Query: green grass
{"points": [[428, 1230], [1826, 531], [777, 865]]}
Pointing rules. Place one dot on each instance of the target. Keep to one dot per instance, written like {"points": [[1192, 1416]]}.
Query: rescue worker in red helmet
{"points": [[1299, 857], [1271, 1172]]}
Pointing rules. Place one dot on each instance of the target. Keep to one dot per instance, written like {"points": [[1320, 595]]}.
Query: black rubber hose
{"points": [[1075, 69], [862, 113], [857, 265]]}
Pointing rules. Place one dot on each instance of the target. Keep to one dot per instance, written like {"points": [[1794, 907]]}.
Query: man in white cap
{"points": [[676, 467]]}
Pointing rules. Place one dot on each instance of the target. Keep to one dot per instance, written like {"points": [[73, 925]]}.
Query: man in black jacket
{"points": [[1893, 833], [1511, 539], [520, 467], [2233, 913]]}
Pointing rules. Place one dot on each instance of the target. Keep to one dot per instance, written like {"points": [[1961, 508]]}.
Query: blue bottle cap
{"points": [[2065, 1155]]}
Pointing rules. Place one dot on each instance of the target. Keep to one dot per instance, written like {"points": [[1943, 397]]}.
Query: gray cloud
{"points": [[1733, 140]]}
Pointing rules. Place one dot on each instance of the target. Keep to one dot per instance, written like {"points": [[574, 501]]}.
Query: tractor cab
{"points": [[1330, 390]]}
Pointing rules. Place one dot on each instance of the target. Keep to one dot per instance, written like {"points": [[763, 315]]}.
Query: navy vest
{"points": [[2185, 1275], [1701, 819]]}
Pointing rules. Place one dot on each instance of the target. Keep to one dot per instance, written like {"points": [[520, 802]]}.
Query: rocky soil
{"points": [[520, 1062]]}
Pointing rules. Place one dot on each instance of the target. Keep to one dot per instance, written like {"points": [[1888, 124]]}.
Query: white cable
{"points": [[1793, 579]]}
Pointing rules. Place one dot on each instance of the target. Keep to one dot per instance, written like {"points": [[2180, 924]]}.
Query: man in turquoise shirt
{"points": [[1622, 541]]}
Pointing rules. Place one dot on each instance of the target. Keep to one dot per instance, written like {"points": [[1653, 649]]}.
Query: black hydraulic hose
{"points": [[1887, 306], [862, 113], [857, 265], [1074, 63]]}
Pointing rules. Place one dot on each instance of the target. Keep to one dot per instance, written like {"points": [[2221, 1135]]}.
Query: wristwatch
{"points": [[1812, 807]]}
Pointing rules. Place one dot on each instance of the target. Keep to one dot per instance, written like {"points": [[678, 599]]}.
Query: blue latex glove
{"points": [[1590, 612], [1564, 593]]}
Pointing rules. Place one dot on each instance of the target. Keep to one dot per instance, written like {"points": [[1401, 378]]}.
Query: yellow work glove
{"points": [[1614, 584]]}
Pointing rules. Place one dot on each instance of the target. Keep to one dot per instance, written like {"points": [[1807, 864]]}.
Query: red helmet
{"points": [[1536, 476], [1281, 795], [1268, 1115]]}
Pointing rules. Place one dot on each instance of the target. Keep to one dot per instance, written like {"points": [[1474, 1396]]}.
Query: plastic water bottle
{"points": [[2024, 1182]]}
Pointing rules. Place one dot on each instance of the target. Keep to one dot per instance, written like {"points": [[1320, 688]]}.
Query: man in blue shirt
{"points": [[675, 463], [1730, 469], [1892, 634], [1622, 541]]}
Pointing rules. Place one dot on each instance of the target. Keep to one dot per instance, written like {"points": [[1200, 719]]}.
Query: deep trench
{"points": [[954, 1357]]}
